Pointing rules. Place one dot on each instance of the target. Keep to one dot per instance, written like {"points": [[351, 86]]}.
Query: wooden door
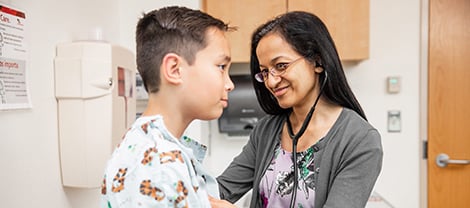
{"points": [[449, 102], [247, 15]]}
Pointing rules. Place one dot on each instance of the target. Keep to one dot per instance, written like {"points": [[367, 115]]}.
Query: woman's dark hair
{"points": [[309, 37]]}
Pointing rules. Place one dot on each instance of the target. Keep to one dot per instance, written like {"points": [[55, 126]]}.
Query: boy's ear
{"points": [[171, 68]]}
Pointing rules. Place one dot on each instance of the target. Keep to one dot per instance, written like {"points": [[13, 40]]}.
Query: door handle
{"points": [[442, 160]]}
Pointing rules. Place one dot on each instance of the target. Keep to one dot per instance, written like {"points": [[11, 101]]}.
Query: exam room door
{"points": [[449, 102]]}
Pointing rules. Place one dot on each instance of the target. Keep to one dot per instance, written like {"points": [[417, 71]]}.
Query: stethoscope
{"points": [[295, 139]]}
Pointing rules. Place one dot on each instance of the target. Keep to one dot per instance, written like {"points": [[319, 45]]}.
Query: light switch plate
{"points": [[394, 121]]}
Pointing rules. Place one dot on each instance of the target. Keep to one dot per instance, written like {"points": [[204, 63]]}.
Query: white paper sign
{"points": [[13, 59]]}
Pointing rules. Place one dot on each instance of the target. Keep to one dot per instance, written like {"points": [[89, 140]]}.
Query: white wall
{"points": [[29, 158], [394, 50]]}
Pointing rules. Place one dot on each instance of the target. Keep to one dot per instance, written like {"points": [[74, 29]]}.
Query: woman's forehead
{"points": [[272, 47]]}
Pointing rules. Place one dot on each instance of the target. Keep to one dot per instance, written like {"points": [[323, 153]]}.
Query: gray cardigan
{"points": [[348, 161]]}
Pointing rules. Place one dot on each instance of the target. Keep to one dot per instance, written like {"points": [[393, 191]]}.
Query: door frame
{"points": [[423, 103]]}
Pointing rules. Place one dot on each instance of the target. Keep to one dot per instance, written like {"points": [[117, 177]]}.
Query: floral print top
{"points": [[152, 168], [277, 182]]}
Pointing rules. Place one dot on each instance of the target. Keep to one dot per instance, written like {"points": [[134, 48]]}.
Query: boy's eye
{"points": [[222, 66]]}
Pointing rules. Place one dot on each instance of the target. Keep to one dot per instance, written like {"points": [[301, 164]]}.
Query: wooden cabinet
{"points": [[246, 15], [347, 21]]}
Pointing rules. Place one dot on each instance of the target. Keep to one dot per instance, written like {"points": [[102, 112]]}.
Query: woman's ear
{"points": [[318, 69], [171, 68], [318, 64]]}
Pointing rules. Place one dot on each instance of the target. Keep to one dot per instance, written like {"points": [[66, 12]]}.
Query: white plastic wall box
{"points": [[95, 92]]}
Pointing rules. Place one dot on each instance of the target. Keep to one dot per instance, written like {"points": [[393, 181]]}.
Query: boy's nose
{"points": [[229, 86]]}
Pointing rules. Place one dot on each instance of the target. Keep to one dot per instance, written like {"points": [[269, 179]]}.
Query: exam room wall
{"points": [[29, 158]]}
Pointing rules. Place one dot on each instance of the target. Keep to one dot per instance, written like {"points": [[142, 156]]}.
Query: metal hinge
{"points": [[425, 149]]}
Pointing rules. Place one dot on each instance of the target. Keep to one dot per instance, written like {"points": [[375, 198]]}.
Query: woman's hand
{"points": [[219, 203]]}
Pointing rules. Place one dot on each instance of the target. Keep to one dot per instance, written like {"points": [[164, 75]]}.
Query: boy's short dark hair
{"points": [[172, 29]]}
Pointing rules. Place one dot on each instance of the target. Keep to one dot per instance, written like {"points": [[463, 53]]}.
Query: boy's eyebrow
{"points": [[226, 58]]}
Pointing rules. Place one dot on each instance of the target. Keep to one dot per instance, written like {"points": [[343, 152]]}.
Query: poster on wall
{"points": [[13, 58]]}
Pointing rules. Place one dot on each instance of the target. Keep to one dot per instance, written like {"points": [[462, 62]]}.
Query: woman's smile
{"points": [[280, 91]]}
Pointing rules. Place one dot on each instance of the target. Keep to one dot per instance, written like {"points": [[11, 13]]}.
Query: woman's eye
{"points": [[281, 66]]}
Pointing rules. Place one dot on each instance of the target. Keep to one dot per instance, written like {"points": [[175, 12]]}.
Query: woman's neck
{"points": [[321, 122]]}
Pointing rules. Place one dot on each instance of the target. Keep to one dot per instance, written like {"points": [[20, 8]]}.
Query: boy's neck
{"points": [[173, 119]]}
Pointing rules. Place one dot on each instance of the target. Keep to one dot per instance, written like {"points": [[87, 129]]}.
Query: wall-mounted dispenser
{"points": [[95, 91], [243, 111]]}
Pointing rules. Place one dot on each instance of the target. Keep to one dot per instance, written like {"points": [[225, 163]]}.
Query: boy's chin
{"points": [[212, 116]]}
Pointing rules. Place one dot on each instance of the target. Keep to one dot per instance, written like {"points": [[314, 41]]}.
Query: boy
{"points": [[183, 58]]}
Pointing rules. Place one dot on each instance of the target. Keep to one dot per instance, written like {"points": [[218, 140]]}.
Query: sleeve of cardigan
{"points": [[238, 178], [357, 173]]}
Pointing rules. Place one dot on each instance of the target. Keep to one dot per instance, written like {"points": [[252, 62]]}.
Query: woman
{"points": [[300, 82]]}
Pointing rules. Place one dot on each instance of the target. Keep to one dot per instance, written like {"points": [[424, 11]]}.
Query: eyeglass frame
{"points": [[274, 71]]}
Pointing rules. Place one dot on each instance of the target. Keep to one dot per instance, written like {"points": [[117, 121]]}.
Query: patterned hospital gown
{"points": [[152, 168]]}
